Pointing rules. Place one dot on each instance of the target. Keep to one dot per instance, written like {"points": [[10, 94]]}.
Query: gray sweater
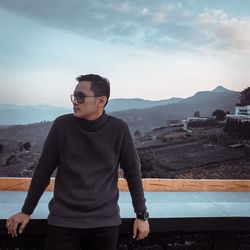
{"points": [[87, 155]]}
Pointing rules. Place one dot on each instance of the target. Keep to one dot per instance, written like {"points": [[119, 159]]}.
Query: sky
{"points": [[147, 49]]}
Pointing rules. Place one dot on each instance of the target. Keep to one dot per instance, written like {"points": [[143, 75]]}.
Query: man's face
{"points": [[90, 108]]}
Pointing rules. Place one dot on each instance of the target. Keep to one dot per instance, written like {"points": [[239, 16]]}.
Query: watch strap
{"points": [[142, 216]]}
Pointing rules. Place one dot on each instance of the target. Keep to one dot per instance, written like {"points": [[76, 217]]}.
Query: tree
{"points": [[245, 96], [138, 135], [26, 146], [220, 115], [197, 114]]}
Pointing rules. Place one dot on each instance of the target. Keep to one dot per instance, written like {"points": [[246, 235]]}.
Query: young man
{"points": [[86, 147]]}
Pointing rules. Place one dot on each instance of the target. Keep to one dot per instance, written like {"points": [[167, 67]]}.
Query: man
{"points": [[86, 148]]}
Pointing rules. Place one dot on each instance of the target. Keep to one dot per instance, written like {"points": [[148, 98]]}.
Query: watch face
{"points": [[143, 216], [146, 215]]}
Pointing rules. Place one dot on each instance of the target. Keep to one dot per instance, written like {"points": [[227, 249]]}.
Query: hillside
{"points": [[130, 103], [174, 153], [175, 158], [203, 153], [24, 114], [205, 102], [133, 110]]}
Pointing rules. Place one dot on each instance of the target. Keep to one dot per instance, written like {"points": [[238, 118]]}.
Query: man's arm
{"points": [[47, 163], [130, 163]]}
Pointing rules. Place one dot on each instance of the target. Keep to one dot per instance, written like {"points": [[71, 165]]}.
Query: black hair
{"points": [[99, 85]]}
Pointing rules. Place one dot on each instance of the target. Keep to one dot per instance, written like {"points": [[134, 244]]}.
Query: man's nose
{"points": [[75, 102]]}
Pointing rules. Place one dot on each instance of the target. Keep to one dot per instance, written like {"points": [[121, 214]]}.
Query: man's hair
{"points": [[99, 85]]}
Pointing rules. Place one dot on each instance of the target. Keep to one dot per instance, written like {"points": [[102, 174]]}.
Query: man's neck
{"points": [[95, 116]]}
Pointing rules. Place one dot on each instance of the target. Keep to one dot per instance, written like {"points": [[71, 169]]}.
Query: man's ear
{"points": [[103, 100]]}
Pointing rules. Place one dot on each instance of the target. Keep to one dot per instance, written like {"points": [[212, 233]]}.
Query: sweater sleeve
{"points": [[130, 163], [47, 163]]}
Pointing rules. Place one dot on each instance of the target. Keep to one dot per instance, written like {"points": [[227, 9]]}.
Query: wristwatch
{"points": [[142, 216]]}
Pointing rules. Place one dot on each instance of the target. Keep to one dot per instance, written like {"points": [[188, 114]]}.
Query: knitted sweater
{"points": [[86, 154]]}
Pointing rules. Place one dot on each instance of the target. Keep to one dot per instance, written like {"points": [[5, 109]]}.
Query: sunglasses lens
{"points": [[80, 97], [77, 97]]}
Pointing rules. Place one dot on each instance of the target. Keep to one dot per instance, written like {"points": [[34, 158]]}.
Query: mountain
{"points": [[208, 96], [140, 114], [220, 89], [120, 104], [24, 114], [206, 102]]}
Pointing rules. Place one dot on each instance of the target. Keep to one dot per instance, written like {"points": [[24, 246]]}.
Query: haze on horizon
{"points": [[150, 50]]}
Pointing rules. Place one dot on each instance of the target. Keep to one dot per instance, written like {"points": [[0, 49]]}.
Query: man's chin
{"points": [[76, 114]]}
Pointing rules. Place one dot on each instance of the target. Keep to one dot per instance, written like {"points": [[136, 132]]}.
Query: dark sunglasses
{"points": [[79, 97]]}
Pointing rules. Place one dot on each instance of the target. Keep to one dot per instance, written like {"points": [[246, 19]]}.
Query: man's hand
{"points": [[13, 222], [140, 229]]}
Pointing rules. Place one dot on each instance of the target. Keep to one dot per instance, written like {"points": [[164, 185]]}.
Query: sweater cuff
{"points": [[139, 208], [27, 211]]}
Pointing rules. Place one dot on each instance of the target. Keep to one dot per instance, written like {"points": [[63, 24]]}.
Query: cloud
{"points": [[160, 17], [123, 7], [230, 34], [165, 25], [101, 20]]}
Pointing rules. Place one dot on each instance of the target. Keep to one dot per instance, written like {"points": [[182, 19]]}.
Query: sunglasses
{"points": [[79, 97]]}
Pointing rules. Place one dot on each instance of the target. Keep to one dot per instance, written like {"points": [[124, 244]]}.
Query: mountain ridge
{"points": [[206, 102], [12, 114]]}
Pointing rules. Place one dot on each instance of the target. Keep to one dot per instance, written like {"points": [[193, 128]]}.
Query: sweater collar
{"points": [[93, 125]]}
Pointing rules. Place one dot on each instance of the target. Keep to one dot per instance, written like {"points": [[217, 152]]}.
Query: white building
{"points": [[241, 113], [242, 110], [196, 119]]}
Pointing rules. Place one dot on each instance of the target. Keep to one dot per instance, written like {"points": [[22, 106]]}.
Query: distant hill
{"points": [[204, 101], [121, 104], [139, 113], [24, 114], [221, 89]]}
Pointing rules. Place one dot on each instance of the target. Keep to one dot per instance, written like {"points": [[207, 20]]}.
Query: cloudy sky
{"points": [[148, 49]]}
